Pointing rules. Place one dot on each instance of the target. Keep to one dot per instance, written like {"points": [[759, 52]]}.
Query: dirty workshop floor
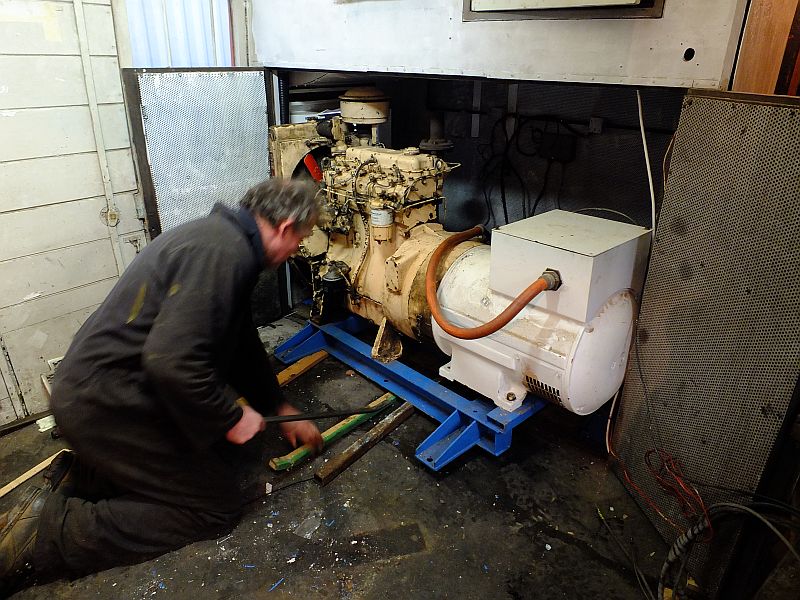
{"points": [[522, 525]]}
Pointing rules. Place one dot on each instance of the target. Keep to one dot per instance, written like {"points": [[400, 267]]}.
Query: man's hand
{"points": [[304, 432], [250, 424]]}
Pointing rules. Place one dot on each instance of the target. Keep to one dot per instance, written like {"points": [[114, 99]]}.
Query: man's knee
{"points": [[213, 523]]}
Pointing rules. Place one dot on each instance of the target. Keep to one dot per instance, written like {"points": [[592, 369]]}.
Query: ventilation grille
{"points": [[543, 390], [206, 138], [716, 357]]}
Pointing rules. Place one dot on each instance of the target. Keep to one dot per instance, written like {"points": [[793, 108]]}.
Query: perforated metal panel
{"points": [[206, 137], [716, 362]]}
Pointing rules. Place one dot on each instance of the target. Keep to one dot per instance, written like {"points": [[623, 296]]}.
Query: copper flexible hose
{"points": [[501, 320]]}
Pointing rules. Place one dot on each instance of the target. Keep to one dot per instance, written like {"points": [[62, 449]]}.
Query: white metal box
{"points": [[595, 257]]}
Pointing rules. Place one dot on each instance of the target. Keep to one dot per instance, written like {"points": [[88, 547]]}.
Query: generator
{"points": [[545, 311]]}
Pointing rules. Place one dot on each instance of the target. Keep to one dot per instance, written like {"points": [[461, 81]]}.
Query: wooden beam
{"points": [[20, 423], [764, 42], [29, 473], [331, 469], [281, 463], [294, 370]]}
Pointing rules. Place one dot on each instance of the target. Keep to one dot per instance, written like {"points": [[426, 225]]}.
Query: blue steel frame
{"points": [[464, 423]]}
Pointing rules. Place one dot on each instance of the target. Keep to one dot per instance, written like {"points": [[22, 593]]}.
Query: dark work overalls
{"points": [[146, 393]]}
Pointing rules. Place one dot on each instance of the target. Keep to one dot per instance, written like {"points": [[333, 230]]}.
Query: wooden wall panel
{"points": [[32, 346], [58, 256], [50, 227], [38, 28], [39, 181], [38, 81], [49, 180], [123, 174], [44, 308], [100, 30], [106, 79], [55, 271], [37, 132], [114, 122], [763, 45]]}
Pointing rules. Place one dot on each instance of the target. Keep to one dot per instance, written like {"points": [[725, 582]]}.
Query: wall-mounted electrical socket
{"points": [[596, 125]]}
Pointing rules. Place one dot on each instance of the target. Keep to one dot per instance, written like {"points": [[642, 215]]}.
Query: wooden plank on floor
{"points": [[294, 371], [28, 474], [335, 466]]}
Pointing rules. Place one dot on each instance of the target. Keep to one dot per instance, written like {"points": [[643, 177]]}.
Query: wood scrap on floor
{"points": [[331, 469], [294, 370], [28, 474]]}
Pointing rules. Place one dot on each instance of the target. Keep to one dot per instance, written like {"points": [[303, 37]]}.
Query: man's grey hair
{"points": [[278, 200]]}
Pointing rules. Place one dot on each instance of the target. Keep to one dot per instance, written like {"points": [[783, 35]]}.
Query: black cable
{"points": [[769, 500], [544, 187], [681, 548], [486, 171], [676, 586], [523, 188], [307, 83], [490, 211], [608, 210], [746, 509], [298, 271], [489, 168], [262, 495], [653, 430], [315, 416], [640, 578], [503, 162], [291, 484], [560, 185], [503, 190], [534, 140]]}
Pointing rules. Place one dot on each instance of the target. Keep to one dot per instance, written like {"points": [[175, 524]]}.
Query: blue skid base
{"points": [[464, 423]]}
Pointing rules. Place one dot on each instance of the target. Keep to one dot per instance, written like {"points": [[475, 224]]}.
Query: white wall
{"points": [[428, 36], [60, 101]]}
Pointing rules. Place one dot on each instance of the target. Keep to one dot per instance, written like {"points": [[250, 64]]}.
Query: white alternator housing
{"points": [[570, 345]]}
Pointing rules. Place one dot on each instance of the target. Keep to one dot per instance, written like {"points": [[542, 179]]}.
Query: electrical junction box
{"points": [[595, 257]]}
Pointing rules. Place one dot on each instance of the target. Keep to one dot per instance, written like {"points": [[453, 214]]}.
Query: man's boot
{"points": [[18, 528], [18, 539]]}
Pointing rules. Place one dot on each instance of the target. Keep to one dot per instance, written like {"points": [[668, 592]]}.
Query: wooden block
{"points": [[331, 469], [281, 463], [294, 370]]}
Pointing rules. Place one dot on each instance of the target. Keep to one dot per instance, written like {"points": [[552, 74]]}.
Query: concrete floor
{"points": [[523, 525]]}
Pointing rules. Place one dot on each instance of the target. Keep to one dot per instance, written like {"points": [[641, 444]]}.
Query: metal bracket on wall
{"points": [[511, 109], [477, 90], [465, 423]]}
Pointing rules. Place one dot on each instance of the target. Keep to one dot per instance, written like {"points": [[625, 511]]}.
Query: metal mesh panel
{"points": [[206, 136], [717, 354]]}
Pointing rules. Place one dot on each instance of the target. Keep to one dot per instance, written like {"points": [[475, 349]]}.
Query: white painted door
{"points": [[69, 222]]}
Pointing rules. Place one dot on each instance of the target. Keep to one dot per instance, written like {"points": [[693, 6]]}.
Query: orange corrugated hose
{"points": [[501, 320]]}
